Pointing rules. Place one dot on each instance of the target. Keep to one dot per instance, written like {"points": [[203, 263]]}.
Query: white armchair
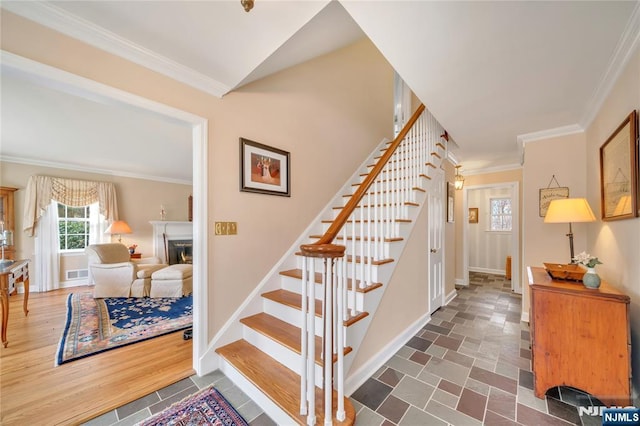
{"points": [[116, 275]]}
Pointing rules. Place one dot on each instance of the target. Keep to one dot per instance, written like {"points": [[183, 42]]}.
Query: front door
{"points": [[436, 241]]}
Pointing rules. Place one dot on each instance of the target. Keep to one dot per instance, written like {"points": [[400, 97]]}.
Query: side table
{"points": [[10, 274]]}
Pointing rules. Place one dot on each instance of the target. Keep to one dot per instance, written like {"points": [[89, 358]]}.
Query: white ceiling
{"points": [[493, 73]]}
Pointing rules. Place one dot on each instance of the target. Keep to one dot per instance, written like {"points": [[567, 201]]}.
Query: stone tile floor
{"points": [[470, 365]]}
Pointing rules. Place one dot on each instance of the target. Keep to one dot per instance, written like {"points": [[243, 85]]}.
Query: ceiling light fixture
{"points": [[247, 4], [459, 180]]}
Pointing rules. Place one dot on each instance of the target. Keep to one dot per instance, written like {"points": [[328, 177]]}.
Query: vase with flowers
{"points": [[590, 278], [132, 248]]}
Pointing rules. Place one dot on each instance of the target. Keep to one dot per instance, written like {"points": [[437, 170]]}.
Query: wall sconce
{"points": [[118, 227], [459, 180]]}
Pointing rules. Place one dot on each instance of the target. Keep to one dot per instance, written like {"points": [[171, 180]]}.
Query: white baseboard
{"points": [[524, 317], [355, 380], [74, 283], [460, 282], [449, 297], [486, 270]]}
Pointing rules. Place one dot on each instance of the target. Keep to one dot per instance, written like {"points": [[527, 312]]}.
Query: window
{"points": [[73, 227], [500, 214]]}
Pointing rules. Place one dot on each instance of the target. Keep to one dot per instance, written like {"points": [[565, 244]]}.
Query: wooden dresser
{"points": [[580, 337]]}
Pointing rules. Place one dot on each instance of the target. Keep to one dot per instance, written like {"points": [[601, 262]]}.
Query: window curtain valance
{"points": [[76, 193]]}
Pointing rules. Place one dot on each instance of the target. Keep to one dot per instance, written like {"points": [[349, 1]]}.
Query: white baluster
{"points": [[327, 339], [311, 377], [341, 344], [303, 341]]}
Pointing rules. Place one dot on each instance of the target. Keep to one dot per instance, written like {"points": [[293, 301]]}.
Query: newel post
{"points": [[331, 293]]}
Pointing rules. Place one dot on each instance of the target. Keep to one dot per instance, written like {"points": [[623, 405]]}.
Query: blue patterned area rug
{"points": [[206, 407], [97, 325]]}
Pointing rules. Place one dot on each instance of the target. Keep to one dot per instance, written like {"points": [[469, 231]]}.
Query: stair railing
{"points": [[366, 224]]}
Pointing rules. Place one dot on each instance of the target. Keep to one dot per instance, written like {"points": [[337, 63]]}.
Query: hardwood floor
{"points": [[34, 391]]}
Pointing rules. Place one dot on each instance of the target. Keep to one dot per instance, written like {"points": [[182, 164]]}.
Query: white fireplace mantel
{"points": [[166, 231]]}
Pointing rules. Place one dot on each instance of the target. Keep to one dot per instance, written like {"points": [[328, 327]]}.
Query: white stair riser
{"points": [[289, 315], [279, 416], [375, 276], [275, 350], [382, 229], [293, 285], [403, 212]]}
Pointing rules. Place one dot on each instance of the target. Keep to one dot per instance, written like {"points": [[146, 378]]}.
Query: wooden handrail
{"points": [[357, 196]]}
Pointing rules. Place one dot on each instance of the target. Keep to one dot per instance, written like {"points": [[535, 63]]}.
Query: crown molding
{"points": [[87, 32], [75, 167], [629, 42], [495, 169], [549, 133]]}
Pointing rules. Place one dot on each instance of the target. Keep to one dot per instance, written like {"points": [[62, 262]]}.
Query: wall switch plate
{"points": [[226, 228]]}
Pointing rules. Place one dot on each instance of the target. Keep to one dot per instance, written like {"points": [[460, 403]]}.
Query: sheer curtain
{"points": [[47, 262]]}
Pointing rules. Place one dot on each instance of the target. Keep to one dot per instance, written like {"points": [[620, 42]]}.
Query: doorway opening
{"points": [[491, 231]]}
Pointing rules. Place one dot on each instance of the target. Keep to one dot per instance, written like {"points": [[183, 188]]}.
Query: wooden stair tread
{"points": [[276, 381], [284, 333], [406, 203], [297, 273], [372, 221], [350, 238], [358, 259], [294, 300], [415, 188]]}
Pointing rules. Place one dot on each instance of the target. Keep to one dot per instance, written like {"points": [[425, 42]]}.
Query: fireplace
{"points": [[173, 241], [179, 251]]}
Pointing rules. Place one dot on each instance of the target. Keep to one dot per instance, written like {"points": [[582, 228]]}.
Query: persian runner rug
{"points": [[206, 407], [97, 325]]}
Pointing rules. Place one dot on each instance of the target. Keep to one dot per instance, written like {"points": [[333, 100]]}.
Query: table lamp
{"points": [[118, 227], [569, 210]]}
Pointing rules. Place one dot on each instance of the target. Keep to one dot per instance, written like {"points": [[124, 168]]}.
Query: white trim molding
{"points": [[73, 26]]}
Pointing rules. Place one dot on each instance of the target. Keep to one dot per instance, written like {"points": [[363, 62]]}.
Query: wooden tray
{"points": [[560, 271]]}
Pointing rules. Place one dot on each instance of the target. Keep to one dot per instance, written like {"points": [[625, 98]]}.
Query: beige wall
{"points": [[139, 202], [328, 113], [565, 158], [616, 243]]}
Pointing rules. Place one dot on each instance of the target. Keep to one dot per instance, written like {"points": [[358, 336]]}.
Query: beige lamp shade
{"points": [[118, 227], [567, 210]]}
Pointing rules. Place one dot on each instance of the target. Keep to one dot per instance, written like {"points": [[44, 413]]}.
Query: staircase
{"points": [[319, 300]]}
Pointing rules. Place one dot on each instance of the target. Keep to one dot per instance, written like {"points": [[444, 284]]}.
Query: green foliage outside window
{"points": [[73, 227]]}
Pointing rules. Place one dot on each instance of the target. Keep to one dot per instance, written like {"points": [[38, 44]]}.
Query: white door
{"points": [[436, 241]]}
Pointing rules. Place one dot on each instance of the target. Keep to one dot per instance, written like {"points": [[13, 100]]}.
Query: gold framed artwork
{"points": [[473, 215], [619, 171]]}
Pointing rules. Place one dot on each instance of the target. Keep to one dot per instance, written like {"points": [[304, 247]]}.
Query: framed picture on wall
{"points": [[619, 172], [264, 169], [451, 193], [473, 215], [549, 194]]}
